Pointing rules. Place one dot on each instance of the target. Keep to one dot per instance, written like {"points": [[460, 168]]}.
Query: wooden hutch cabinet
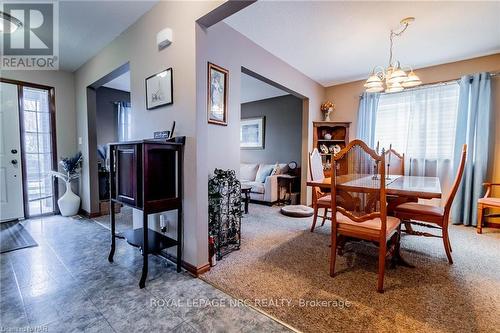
{"points": [[147, 175], [329, 134]]}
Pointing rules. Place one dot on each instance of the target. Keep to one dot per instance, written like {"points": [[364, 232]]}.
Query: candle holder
{"points": [[375, 171]]}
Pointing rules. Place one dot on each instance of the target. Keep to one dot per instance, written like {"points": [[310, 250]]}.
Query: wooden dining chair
{"points": [[365, 181], [486, 202], [432, 216], [319, 199], [397, 162]]}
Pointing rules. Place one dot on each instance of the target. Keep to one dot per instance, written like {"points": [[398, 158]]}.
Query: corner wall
{"points": [[224, 46], [137, 45]]}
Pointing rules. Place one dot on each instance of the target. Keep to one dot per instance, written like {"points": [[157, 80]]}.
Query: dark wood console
{"points": [[147, 175]]}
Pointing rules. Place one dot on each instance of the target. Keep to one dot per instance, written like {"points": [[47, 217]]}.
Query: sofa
{"points": [[263, 180]]}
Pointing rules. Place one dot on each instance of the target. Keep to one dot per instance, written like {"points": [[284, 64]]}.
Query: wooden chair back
{"points": [[397, 162], [457, 181], [316, 166], [364, 183], [316, 172]]}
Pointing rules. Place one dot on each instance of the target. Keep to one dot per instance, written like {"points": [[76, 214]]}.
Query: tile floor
{"points": [[66, 284]]}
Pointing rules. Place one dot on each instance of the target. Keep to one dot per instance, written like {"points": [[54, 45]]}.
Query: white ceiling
{"points": [[85, 27], [334, 42], [122, 82], [253, 89]]}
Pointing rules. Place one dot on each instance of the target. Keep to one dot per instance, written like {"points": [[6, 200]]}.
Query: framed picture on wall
{"points": [[218, 80], [252, 133], [159, 89]]}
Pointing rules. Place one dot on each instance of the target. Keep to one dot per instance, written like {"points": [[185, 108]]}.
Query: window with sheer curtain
{"points": [[124, 122], [421, 123]]}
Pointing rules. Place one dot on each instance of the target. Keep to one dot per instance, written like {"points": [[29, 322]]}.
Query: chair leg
{"points": [[315, 218], [446, 242], [381, 266], [408, 227], [333, 254], [479, 227], [324, 217]]}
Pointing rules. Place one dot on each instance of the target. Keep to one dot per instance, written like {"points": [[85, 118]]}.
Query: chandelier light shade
{"points": [[394, 87], [374, 84], [412, 81], [393, 78]]}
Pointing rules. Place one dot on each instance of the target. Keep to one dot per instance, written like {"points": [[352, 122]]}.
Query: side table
{"points": [[285, 181], [245, 191]]}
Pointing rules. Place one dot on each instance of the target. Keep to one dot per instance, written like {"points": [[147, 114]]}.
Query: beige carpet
{"points": [[281, 261]]}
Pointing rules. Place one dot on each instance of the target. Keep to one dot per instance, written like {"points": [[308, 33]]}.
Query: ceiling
{"points": [[253, 89], [122, 82], [337, 41], [85, 27]]}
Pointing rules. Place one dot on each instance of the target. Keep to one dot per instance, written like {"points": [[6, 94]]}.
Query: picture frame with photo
{"points": [[253, 133], [160, 89], [217, 91]]}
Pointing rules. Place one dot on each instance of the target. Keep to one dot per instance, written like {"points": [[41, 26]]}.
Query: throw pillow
{"points": [[276, 169], [264, 172], [248, 171]]}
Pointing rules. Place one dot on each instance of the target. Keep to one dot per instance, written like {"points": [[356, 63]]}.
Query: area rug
{"points": [[13, 236], [283, 270]]}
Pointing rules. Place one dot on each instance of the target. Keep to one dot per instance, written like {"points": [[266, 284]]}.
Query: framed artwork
{"points": [[218, 80], [159, 89], [252, 133]]}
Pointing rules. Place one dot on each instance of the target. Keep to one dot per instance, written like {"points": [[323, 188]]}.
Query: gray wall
{"points": [[283, 132], [107, 114]]}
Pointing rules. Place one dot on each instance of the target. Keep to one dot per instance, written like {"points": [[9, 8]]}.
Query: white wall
{"points": [[63, 83]]}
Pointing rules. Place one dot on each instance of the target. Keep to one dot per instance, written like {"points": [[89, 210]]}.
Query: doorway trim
{"points": [[92, 137], [52, 112]]}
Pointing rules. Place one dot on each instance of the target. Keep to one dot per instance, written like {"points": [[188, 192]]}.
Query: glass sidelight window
{"points": [[37, 135]]}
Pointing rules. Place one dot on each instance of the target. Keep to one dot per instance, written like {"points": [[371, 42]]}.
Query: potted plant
{"points": [[69, 203]]}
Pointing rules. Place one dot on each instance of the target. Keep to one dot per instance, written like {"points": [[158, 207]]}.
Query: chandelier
{"points": [[394, 78]]}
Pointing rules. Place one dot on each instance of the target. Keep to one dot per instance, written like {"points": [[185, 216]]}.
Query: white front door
{"points": [[11, 182]]}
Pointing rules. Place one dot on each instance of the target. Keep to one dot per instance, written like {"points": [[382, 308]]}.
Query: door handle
{"points": [[14, 162]]}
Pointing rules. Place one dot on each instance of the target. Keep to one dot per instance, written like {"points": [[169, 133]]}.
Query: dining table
{"points": [[410, 187], [401, 189]]}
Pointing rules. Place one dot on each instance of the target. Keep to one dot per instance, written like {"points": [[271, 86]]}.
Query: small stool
{"points": [[297, 211]]}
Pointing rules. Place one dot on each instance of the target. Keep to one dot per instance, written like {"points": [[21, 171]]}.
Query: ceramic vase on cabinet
{"points": [[69, 203], [327, 114]]}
